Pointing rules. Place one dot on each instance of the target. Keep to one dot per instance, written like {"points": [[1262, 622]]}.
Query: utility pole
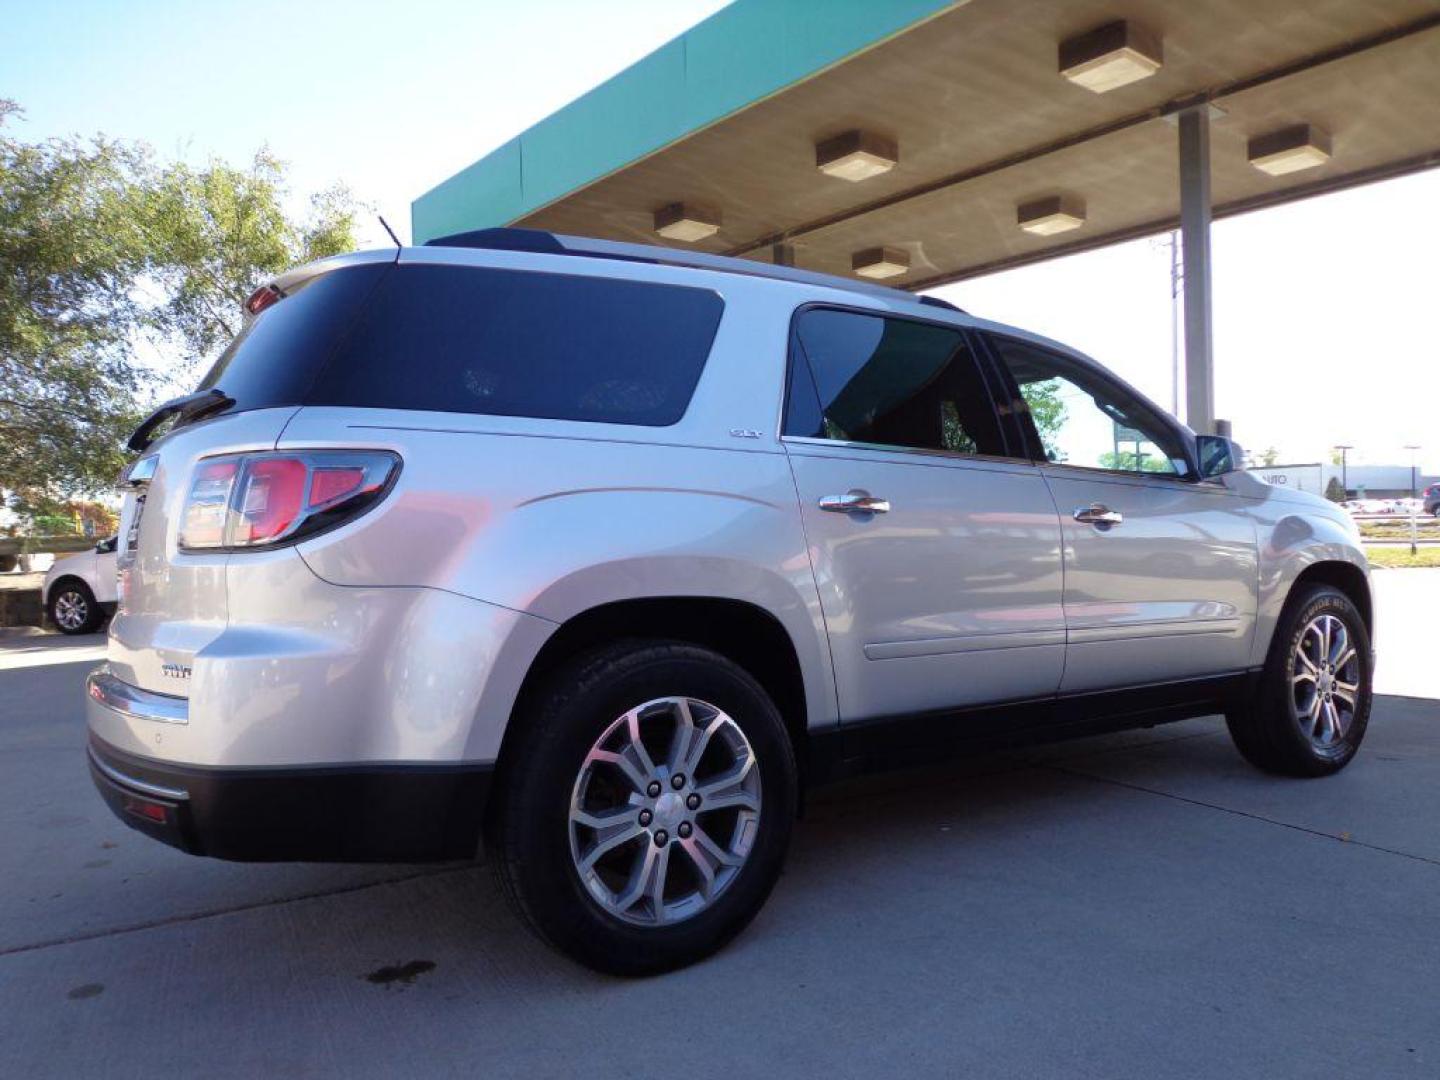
{"points": [[1344, 466]]}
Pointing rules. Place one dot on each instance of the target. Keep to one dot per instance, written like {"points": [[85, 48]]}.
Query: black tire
{"points": [[76, 592], [528, 837], [8, 563], [1267, 729]]}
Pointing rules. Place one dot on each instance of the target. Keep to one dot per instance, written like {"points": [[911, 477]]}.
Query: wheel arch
{"points": [[742, 632], [51, 588], [1345, 576]]}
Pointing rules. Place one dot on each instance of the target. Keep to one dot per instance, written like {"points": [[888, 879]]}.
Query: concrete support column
{"points": [[1195, 241]]}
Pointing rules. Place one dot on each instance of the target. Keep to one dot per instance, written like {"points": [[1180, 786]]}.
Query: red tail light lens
{"points": [[270, 501], [258, 500], [327, 485]]}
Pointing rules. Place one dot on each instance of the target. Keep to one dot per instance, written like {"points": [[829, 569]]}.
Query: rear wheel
{"points": [[1309, 714], [73, 609], [644, 810]]}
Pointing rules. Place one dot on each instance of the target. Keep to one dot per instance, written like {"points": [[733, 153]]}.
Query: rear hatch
{"points": [[172, 602]]}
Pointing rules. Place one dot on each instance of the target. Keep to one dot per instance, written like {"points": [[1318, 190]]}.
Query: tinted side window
{"points": [[1082, 419], [893, 382], [513, 343]]}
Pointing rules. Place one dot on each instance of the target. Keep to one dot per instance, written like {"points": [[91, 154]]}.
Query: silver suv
{"points": [[602, 553]]}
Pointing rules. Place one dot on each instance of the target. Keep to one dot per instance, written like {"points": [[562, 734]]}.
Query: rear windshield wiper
{"points": [[187, 408]]}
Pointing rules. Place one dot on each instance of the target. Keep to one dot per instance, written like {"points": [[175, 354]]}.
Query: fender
{"points": [[1294, 531]]}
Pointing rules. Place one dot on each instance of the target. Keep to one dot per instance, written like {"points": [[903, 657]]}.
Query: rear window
{"points": [[480, 340], [275, 358]]}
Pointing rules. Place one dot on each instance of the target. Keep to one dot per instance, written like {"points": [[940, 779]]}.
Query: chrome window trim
{"points": [[911, 451], [143, 787], [132, 702]]}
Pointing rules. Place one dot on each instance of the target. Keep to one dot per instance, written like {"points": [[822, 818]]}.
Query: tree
{"points": [[1334, 490], [1133, 461], [217, 233], [1270, 457], [71, 246], [103, 249], [1047, 410]]}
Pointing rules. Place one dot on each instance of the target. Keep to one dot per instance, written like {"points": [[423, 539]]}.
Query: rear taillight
{"points": [[258, 500]]}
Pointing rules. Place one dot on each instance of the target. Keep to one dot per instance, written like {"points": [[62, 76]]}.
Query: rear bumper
{"points": [[345, 813]]}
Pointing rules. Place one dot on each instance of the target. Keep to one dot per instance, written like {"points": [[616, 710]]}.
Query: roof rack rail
{"points": [[548, 243]]}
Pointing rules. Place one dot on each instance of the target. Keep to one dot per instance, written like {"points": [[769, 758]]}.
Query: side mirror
{"points": [[1218, 455]]}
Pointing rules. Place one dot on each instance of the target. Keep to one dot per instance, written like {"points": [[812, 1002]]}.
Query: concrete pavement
{"points": [[1135, 906]]}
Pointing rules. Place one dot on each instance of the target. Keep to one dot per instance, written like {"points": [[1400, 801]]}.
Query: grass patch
{"points": [[1427, 528], [1400, 556]]}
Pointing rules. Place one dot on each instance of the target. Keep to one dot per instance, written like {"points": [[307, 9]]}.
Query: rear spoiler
{"points": [[187, 408]]}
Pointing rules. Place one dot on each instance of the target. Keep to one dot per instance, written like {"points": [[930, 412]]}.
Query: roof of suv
{"points": [[548, 243]]}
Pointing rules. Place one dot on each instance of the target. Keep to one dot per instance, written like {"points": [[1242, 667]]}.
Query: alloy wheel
{"points": [[1325, 681], [664, 811], [71, 610]]}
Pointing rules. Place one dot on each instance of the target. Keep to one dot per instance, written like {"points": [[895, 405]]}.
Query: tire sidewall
{"points": [[561, 904], [1321, 601]]}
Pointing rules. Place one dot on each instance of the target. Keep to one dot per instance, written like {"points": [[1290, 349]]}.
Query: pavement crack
{"points": [[1240, 813], [213, 913]]}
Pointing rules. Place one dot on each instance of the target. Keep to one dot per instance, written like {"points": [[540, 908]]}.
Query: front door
{"points": [[937, 555], [1160, 570]]}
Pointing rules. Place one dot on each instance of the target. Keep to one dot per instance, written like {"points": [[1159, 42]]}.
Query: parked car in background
{"points": [[79, 590], [1431, 499], [603, 551]]}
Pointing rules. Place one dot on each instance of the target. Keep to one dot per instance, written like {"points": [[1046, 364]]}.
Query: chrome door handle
{"points": [[855, 501], [1099, 514]]}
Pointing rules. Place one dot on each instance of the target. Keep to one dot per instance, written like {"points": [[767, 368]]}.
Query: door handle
{"points": [[1099, 514], [855, 501]]}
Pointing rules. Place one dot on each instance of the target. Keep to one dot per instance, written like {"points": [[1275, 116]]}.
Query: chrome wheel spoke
{"points": [[639, 883], [621, 761], [1341, 644], [1347, 692], [608, 842], [728, 790], [637, 745], [678, 758]]}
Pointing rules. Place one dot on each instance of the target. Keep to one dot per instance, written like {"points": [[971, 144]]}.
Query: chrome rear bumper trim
{"points": [[127, 700], [143, 787]]}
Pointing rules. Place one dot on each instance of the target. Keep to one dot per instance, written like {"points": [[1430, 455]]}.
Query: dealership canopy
{"points": [[922, 142]]}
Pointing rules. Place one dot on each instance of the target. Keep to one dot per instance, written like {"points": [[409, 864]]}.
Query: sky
{"points": [[1324, 310]]}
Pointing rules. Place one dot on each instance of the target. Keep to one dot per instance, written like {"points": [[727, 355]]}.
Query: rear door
{"points": [[936, 554], [1160, 570]]}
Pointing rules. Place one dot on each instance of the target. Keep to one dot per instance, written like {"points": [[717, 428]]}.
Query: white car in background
{"points": [[79, 590]]}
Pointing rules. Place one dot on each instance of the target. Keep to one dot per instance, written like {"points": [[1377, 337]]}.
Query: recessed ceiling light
{"points": [[1291, 149], [1111, 56], [880, 262], [681, 221], [1050, 215], [856, 155]]}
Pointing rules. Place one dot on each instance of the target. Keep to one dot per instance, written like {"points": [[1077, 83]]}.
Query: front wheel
{"points": [[1310, 711], [643, 813]]}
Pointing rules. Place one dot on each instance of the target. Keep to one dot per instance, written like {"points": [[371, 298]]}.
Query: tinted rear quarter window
{"points": [[518, 343]]}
